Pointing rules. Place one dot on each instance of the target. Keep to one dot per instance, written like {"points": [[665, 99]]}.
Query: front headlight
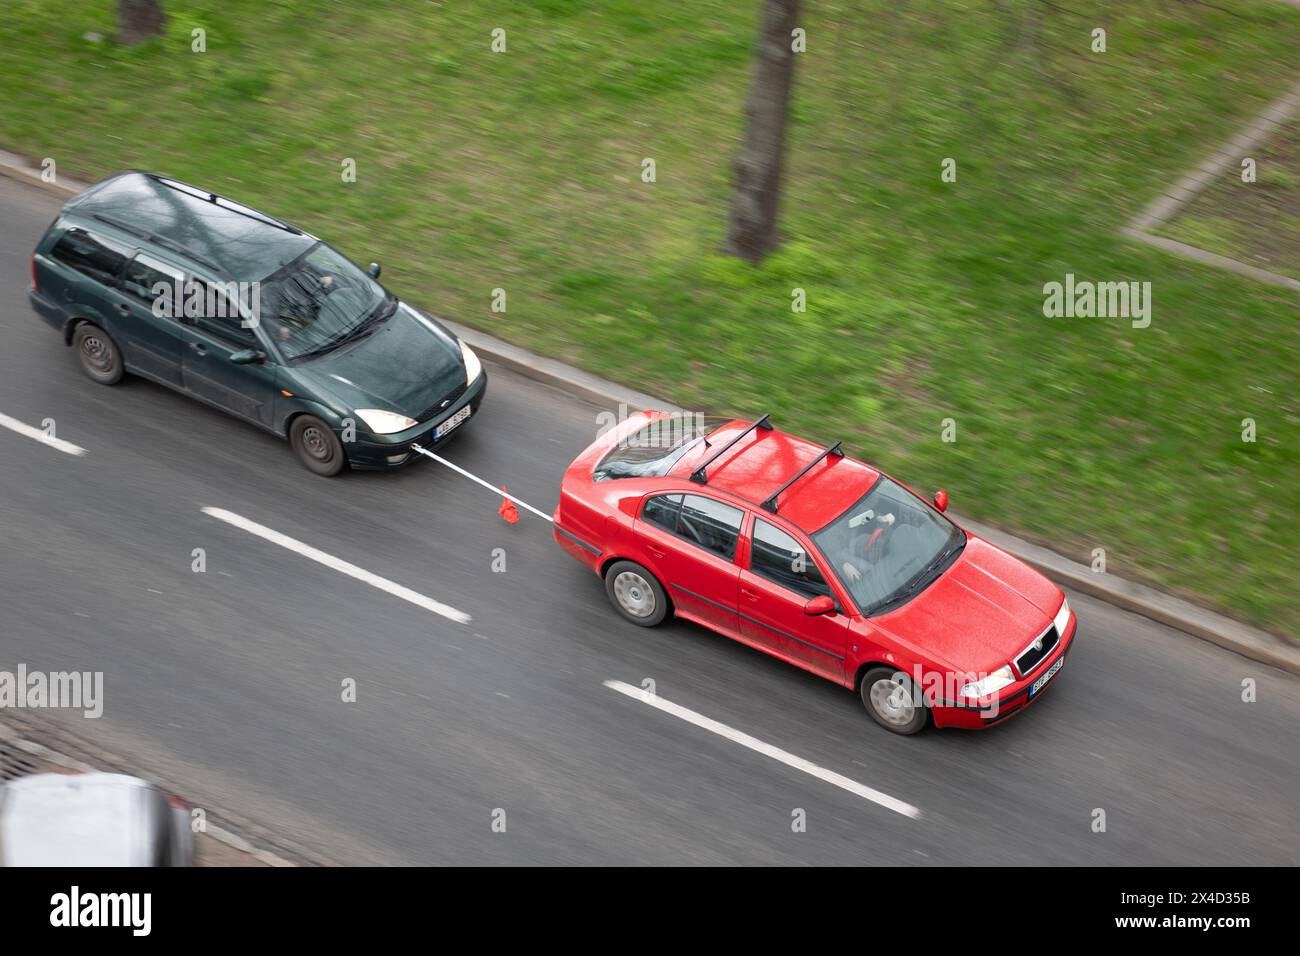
{"points": [[1062, 619], [996, 681], [473, 367], [381, 422]]}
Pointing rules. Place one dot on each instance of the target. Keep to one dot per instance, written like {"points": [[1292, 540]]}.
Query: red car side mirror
{"points": [[821, 604], [941, 500]]}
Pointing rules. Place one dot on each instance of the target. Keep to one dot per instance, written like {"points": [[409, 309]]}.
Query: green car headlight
{"points": [[473, 367], [381, 422]]}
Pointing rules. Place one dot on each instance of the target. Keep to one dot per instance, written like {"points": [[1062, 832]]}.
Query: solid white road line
{"points": [[14, 425], [307, 551], [767, 750], [461, 471]]}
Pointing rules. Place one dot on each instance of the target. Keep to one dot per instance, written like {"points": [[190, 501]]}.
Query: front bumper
{"points": [[1014, 699], [393, 451]]}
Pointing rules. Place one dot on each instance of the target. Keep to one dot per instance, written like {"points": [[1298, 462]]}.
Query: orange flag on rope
{"points": [[507, 509]]}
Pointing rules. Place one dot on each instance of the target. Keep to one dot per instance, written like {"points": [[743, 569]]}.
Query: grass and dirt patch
{"points": [[521, 170]]}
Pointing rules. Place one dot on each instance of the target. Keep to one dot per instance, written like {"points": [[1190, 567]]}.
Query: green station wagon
{"points": [[192, 290]]}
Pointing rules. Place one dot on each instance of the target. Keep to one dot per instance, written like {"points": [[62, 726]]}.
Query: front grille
{"points": [[1033, 656], [442, 404]]}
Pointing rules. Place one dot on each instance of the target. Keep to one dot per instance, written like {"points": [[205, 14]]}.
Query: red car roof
{"points": [[765, 460]]}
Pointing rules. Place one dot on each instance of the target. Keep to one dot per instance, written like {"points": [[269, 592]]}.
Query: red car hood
{"points": [[984, 610]]}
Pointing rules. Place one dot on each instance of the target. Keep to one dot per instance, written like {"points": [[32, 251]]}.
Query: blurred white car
{"points": [[92, 819]]}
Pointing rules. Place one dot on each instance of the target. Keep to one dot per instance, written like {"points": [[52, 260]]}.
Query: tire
{"points": [[316, 446], [636, 593], [891, 701], [97, 354]]}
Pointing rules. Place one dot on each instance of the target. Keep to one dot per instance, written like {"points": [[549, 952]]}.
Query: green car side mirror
{"points": [[248, 357]]}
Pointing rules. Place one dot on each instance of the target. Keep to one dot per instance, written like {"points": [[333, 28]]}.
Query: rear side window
{"points": [[703, 522], [89, 255], [783, 560], [661, 510], [143, 274], [710, 524]]}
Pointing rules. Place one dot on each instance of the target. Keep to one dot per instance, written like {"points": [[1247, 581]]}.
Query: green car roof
{"points": [[215, 233]]}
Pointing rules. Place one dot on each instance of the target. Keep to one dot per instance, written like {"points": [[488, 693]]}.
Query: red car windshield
{"points": [[889, 546], [653, 449]]}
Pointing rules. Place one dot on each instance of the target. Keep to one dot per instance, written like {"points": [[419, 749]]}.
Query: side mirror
{"points": [[941, 500], [821, 604], [248, 357], [373, 270]]}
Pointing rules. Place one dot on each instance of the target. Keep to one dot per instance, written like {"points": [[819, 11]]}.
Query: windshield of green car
{"points": [[318, 302], [889, 546]]}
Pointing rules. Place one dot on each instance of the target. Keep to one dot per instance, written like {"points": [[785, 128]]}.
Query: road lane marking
{"points": [[490, 487], [337, 564], [14, 425], [766, 749]]}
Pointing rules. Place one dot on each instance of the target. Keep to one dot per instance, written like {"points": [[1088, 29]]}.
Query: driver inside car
{"points": [[865, 544]]}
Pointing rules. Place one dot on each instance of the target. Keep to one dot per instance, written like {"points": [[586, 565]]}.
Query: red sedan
{"points": [[817, 559]]}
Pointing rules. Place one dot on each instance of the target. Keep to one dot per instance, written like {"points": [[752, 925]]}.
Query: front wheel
{"points": [[893, 701], [636, 594], [316, 446]]}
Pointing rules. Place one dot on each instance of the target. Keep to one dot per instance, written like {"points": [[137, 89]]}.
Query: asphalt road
{"points": [[228, 682]]}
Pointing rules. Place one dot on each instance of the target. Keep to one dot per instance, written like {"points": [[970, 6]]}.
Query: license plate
{"points": [[451, 423], [1051, 672]]}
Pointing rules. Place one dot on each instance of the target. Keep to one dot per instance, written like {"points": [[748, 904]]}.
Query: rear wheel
{"points": [[636, 594], [892, 701], [316, 446], [98, 354]]}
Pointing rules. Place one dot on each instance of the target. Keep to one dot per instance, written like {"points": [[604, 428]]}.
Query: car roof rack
{"points": [[701, 475], [224, 202], [837, 450]]}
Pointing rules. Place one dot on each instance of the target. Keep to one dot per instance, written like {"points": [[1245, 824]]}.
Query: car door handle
{"points": [[657, 552], [199, 347], [752, 595], [123, 308]]}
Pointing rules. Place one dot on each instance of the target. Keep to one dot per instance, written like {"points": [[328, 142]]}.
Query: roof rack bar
{"points": [[701, 476], [837, 450]]}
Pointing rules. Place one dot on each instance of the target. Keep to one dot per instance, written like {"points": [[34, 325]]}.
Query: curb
{"points": [[1174, 612]]}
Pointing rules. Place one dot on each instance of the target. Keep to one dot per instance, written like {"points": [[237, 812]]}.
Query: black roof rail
{"points": [[701, 476], [837, 450], [225, 202]]}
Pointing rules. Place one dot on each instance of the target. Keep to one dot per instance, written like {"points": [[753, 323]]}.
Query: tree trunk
{"points": [[139, 20], [751, 233]]}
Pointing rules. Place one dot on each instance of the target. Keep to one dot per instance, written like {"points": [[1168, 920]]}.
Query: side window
{"points": [[219, 316], [780, 558], [661, 510], [142, 276], [710, 524], [89, 255]]}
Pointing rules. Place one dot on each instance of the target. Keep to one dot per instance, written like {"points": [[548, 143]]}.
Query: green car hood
{"points": [[406, 366]]}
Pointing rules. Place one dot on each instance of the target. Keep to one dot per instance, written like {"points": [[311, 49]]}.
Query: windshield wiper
{"points": [[923, 579], [382, 312]]}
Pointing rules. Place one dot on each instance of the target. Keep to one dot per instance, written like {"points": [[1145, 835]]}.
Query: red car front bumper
{"points": [[1014, 698]]}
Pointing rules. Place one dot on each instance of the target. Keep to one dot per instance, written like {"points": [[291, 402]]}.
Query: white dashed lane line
{"points": [[766, 749], [58, 444], [337, 564]]}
